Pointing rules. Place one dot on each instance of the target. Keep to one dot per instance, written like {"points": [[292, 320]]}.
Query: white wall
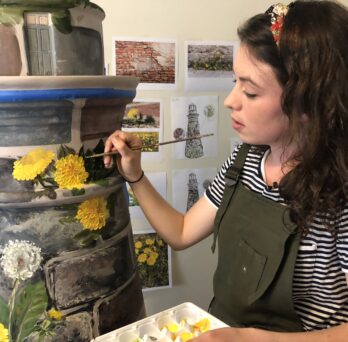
{"points": [[182, 20]]}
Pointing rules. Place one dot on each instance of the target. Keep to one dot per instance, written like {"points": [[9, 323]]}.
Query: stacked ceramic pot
{"points": [[67, 262]]}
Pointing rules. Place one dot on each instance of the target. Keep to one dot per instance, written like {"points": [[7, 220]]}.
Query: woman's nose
{"points": [[232, 100]]}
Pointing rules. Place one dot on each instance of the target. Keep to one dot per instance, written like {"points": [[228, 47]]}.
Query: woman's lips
{"points": [[236, 124]]}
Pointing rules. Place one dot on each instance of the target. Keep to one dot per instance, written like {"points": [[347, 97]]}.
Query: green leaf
{"points": [[81, 152], [87, 237], [102, 182], [66, 220], [78, 192], [3, 313], [64, 151], [31, 303], [99, 148], [62, 21]]}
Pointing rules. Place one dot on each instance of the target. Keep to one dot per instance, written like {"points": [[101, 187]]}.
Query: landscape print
{"points": [[209, 65]]}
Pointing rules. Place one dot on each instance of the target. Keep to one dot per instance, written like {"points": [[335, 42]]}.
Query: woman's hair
{"points": [[311, 63]]}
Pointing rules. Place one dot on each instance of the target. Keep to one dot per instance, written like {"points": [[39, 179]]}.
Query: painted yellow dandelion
{"points": [[3, 333], [133, 113], [149, 242], [147, 250], [93, 213], [142, 257], [153, 255], [138, 244], [151, 260], [55, 314], [70, 172], [32, 164]]}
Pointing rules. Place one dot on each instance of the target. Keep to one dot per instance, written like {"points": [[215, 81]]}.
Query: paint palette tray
{"points": [[179, 324]]}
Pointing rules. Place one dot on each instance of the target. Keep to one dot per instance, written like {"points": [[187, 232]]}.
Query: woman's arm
{"points": [[180, 231], [334, 334]]}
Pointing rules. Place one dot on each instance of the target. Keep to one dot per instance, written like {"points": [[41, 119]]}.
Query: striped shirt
{"points": [[320, 290]]}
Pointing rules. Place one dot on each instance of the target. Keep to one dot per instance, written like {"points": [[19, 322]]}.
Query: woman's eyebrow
{"points": [[248, 79]]}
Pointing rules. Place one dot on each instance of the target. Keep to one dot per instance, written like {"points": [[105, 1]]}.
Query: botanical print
{"points": [[144, 118], [153, 261], [142, 114], [209, 65]]}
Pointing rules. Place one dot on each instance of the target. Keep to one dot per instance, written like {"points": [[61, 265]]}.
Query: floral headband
{"points": [[277, 13]]}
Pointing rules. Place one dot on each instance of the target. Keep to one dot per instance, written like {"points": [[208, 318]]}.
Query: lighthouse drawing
{"points": [[194, 147], [193, 194]]}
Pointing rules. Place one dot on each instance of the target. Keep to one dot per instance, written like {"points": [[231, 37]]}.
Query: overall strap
{"points": [[234, 171], [231, 180]]}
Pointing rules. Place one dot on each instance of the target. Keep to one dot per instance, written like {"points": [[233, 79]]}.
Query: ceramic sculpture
{"points": [[67, 266]]}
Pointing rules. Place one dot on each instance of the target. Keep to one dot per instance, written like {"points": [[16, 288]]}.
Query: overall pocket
{"points": [[240, 278]]}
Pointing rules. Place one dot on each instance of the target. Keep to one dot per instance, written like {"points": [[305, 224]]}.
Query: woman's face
{"points": [[255, 102]]}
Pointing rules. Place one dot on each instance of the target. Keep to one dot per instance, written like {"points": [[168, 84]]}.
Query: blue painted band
{"points": [[63, 94]]}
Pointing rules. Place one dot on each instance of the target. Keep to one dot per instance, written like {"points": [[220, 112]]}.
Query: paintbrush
{"points": [[151, 145]]}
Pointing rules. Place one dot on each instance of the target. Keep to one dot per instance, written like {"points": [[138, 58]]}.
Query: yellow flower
{"points": [[151, 260], [138, 244], [70, 172], [160, 242], [154, 255], [3, 333], [32, 164], [147, 250], [93, 213], [149, 242], [55, 314], [142, 257], [133, 113]]}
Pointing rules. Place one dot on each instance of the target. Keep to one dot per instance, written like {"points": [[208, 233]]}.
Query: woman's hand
{"points": [[128, 161]]}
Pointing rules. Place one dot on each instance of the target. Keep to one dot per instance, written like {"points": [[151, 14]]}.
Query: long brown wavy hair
{"points": [[311, 63]]}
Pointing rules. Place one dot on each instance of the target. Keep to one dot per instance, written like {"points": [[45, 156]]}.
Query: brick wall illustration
{"points": [[151, 62]]}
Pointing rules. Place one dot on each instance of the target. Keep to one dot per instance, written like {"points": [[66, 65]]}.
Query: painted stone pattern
{"points": [[67, 264]]}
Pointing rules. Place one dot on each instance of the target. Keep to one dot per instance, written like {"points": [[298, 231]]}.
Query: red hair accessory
{"points": [[277, 13]]}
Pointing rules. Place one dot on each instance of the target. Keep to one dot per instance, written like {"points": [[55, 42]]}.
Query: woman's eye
{"points": [[250, 95]]}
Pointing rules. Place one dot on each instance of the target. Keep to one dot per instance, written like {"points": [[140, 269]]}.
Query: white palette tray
{"points": [[174, 324]]}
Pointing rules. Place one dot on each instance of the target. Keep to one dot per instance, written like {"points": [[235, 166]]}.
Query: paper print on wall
{"points": [[153, 60], [153, 257], [194, 116], [208, 65], [159, 181], [189, 185], [144, 118]]}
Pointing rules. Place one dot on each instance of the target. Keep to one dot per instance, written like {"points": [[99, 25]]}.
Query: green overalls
{"points": [[258, 246]]}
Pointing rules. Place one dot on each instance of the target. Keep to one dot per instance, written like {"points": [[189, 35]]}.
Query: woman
{"points": [[278, 207]]}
